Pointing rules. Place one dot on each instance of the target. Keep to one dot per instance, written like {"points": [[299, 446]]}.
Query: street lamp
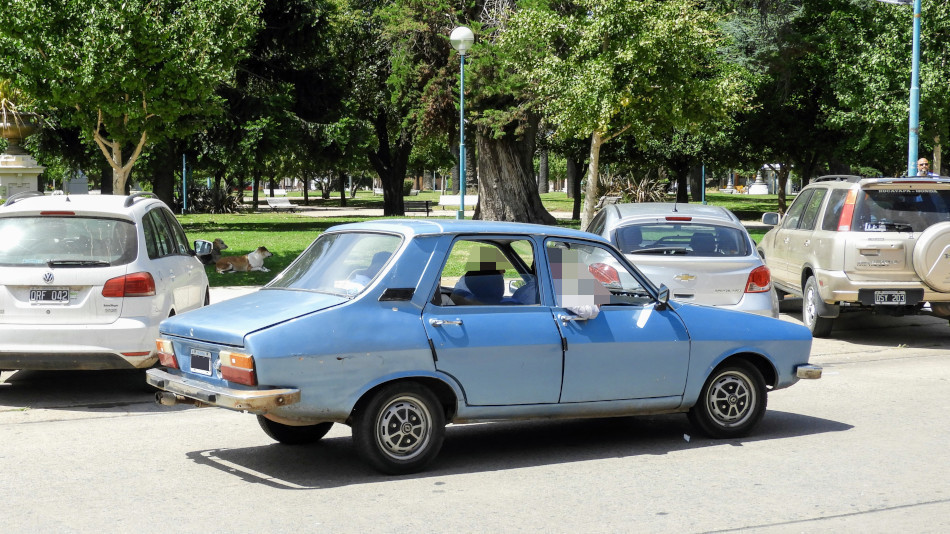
{"points": [[462, 39], [914, 88]]}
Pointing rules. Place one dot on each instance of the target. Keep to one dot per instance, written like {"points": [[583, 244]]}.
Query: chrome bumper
{"points": [[808, 371], [254, 400]]}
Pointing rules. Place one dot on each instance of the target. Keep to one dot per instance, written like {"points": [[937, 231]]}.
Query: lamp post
{"points": [[462, 39], [914, 88]]}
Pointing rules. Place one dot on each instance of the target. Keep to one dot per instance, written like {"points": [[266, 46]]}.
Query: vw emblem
{"points": [[48, 277]]}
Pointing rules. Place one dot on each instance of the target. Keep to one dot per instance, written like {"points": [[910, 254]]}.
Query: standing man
{"points": [[923, 168]]}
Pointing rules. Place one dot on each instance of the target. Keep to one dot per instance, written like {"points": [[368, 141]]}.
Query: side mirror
{"points": [[770, 218], [663, 298], [203, 251]]}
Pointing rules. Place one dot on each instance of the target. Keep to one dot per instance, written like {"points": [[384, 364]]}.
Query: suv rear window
{"points": [[900, 210], [39, 240]]}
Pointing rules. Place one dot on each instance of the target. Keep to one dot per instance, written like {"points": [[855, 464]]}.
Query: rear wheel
{"points": [[293, 435], [400, 430], [811, 304], [732, 401]]}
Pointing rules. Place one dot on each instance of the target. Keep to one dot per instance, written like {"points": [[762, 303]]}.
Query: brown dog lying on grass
{"points": [[216, 247], [249, 262]]}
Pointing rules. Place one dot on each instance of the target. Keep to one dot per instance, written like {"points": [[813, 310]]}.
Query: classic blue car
{"points": [[399, 327]]}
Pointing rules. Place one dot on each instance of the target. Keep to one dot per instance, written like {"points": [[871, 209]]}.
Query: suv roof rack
{"points": [[131, 200], [21, 195], [839, 178]]}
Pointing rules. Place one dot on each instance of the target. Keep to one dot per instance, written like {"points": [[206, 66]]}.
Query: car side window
{"points": [[178, 233], [829, 221], [794, 215], [587, 276], [810, 215], [488, 273], [158, 238], [597, 225]]}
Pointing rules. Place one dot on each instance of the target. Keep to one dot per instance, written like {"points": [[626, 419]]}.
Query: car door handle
{"points": [[440, 322], [807, 243], [568, 318], [785, 240]]}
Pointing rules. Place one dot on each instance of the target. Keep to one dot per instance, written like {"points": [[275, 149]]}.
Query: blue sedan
{"points": [[399, 327]]}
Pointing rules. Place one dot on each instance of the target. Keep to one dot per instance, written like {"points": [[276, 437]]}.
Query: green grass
{"points": [[286, 235]]}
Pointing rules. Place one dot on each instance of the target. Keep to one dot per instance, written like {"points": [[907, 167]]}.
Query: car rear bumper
{"points": [[835, 286], [124, 344], [808, 371], [258, 401]]}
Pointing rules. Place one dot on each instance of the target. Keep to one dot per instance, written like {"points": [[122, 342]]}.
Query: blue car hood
{"points": [[229, 321]]}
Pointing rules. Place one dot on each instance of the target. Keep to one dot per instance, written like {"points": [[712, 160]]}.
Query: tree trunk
{"points": [[543, 185], [696, 182], [936, 163], [390, 164], [507, 188], [163, 181], [570, 183], [255, 187], [342, 189], [592, 191]]}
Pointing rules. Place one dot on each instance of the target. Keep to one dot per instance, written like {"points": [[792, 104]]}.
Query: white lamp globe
{"points": [[462, 39]]}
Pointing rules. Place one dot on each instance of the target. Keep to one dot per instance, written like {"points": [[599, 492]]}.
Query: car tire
{"points": [[731, 403], [293, 435], [811, 304], [400, 430]]}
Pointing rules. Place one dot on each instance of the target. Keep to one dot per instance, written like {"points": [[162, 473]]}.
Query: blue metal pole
{"points": [[461, 214], [914, 96], [704, 183]]}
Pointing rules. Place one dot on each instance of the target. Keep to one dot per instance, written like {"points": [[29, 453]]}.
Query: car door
{"points": [[190, 279], [777, 257], [801, 243], [493, 337], [617, 344]]}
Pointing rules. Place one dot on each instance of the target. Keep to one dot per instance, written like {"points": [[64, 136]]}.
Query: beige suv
{"points": [[850, 243]]}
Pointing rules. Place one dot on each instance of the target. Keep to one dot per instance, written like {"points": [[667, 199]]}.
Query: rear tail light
{"points": [[760, 280], [237, 367], [166, 353], [130, 285], [847, 212]]}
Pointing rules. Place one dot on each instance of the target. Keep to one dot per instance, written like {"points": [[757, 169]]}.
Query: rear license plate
{"points": [[57, 295], [890, 297], [201, 361]]}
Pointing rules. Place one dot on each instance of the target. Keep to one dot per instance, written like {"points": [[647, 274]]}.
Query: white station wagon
{"points": [[85, 280]]}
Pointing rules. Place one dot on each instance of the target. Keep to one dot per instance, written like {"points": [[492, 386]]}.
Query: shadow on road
{"points": [[123, 390], [497, 446]]}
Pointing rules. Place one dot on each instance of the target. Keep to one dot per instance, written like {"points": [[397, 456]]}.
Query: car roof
{"points": [[865, 181], [416, 227], [94, 205], [617, 213]]}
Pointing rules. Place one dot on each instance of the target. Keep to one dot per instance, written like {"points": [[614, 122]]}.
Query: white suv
{"points": [[849, 243], [85, 280]]}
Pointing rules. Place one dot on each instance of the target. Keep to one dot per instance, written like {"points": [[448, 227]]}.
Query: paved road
{"points": [[861, 450]]}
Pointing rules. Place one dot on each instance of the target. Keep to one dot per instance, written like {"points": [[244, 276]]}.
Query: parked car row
{"points": [[397, 328]]}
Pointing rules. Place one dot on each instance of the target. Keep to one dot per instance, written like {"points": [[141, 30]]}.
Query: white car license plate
{"points": [[890, 297], [201, 361], [46, 295]]}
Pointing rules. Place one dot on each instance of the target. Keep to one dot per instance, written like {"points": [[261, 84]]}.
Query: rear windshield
{"points": [[900, 210], [686, 239], [69, 240]]}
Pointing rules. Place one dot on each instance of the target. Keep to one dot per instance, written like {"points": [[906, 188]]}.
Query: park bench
{"points": [[279, 203], [453, 200], [417, 206]]}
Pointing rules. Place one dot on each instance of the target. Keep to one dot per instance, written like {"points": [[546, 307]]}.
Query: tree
{"points": [[607, 68], [128, 73]]}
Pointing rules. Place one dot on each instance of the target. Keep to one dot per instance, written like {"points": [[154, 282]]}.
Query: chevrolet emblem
{"points": [[684, 277]]}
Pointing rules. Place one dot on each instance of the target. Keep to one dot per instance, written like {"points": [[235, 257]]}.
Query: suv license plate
{"points": [[201, 361], [890, 297], [57, 295]]}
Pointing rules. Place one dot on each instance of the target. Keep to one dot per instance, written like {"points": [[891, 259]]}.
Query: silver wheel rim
{"points": [[403, 428], [731, 399], [811, 307]]}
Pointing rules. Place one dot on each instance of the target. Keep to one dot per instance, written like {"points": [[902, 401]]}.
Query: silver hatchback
{"points": [[85, 280], [702, 253]]}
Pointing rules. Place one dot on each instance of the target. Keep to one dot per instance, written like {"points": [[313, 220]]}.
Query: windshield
{"points": [[900, 210], [687, 239], [80, 241], [339, 263]]}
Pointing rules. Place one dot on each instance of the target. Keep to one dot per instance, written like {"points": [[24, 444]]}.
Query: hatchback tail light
{"points": [[130, 285], [760, 280]]}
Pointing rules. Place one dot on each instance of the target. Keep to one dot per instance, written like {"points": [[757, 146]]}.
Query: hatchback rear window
{"points": [[687, 239], [79, 241], [900, 210]]}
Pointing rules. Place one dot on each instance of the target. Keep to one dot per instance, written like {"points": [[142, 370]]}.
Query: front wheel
{"points": [[293, 435], [811, 303], [400, 430], [732, 401]]}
